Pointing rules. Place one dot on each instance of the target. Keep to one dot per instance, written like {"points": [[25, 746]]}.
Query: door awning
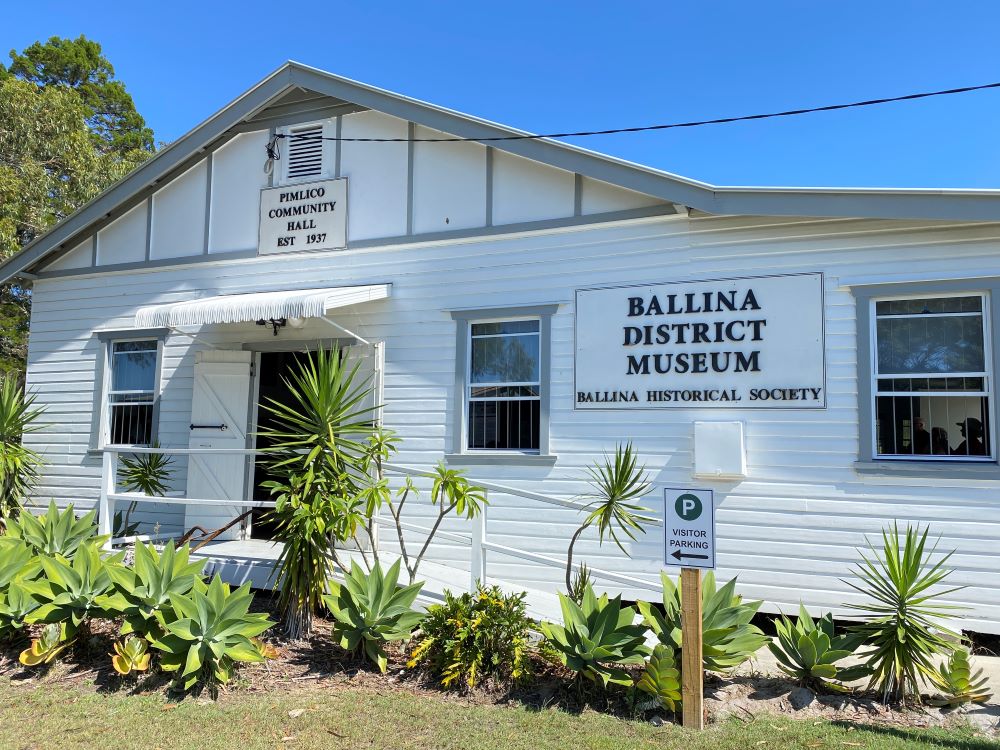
{"points": [[246, 308]]}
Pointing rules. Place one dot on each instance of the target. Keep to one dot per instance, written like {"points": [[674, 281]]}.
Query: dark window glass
{"points": [[131, 393]]}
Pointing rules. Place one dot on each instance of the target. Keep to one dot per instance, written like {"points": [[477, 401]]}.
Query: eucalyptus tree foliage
{"points": [[617, 485]]}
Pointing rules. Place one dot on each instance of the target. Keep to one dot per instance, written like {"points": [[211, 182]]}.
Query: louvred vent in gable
{"points": [[305, 152]]}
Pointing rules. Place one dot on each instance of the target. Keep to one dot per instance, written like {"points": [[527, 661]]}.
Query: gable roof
{"points": [[294, 86]]}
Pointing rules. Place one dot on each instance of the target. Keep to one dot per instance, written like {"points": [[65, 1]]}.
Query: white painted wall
{"points": [[598, 197], [179, 215], [449, 184], [124, 240], [237, 178], [80, 256], [525, 190], [376, 176], [789, 530]]}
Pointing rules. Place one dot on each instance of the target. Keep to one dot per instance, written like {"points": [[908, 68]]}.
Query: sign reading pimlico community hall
{"points": [[303, 216], [736, 343]]}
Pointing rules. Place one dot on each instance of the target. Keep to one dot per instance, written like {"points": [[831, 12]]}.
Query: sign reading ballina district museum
{"points": [[734, 343], [304, 216]]}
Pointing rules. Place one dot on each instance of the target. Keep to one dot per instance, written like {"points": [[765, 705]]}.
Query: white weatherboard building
{"points": [[823, 360]]}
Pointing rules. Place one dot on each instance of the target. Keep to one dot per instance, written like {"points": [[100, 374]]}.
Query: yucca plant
{"points": [[56, 532], [597, 637], [728, 637], [18, 464], [70, 591], [903, 617], [661, 680], [146, 587], [131, 655], [147, 473], [370, 610], [809, 650], [958, 683], [207, 631], [316, 444], [617, 485], [46, 647]]}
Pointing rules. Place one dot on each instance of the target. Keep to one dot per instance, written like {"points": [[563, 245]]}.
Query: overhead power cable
{"points": [[645, 128]]}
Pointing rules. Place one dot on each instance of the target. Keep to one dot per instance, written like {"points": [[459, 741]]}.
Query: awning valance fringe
{"points": [[245, 308]]}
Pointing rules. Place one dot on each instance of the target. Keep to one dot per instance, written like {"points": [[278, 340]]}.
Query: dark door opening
{"points": [[274, 370]]}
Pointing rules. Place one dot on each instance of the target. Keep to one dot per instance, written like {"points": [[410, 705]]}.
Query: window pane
{"points": [[505, 359], [131, 424], [956, 426], [925, 306], [133, 366], [504, 391], [930, 344], [506, 326], [504, 425]]}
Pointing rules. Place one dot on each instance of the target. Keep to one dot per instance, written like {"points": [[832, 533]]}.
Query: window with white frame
{"points": [[503, 385], [932, 378], [131, 392]]}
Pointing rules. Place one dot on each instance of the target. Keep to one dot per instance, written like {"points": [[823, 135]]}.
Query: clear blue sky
{"points": [[585, 65]]}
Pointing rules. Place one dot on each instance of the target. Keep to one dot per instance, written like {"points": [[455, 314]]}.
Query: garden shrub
{"points": [[474, 636], [55, 532], [809, 650], [959, 683]]}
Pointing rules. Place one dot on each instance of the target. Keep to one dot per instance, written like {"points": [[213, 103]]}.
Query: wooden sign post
{"points": [[689, 541], [692, 683]]}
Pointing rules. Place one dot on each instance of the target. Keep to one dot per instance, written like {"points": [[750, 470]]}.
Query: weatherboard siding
{"points": [[790, 530]]}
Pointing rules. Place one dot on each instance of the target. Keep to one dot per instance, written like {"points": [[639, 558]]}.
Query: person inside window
{"points": [[921, 437], [939, 441], [973, 445]]}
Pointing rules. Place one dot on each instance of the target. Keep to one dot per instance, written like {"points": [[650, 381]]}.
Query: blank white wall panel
{"points": [[720, 450], [179, 215], [449, 184], [124, 240], [601, 197], [376, 176], [524, 190], [80, 256], [237, 178]]}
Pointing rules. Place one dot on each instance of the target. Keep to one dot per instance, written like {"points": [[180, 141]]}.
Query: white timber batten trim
{"points": [[245, 308]]}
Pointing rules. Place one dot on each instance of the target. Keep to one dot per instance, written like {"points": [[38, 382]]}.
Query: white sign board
{"points": [[733, 343], [304, 216], [689, 528]]}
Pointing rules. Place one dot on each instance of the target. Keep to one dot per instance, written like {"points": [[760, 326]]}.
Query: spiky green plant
{"points": [[56, 532], [597, 637], [146, 587], [317, 442], [18, 464], [809, 650], [148, 473], [728, 637], [617, 485], [207, 631], [903, 617], [370, 610], [47, 646], [16, 606], [16, 561], [958, 683], [661, 680]]}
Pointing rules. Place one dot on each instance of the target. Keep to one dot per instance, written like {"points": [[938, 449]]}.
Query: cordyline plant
{"points": [[617, 485], [147, 473], [903, 617], [18, 464]]}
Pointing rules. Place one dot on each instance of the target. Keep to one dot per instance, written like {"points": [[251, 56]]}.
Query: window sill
{"points": [[929, 469], [500, 459]]}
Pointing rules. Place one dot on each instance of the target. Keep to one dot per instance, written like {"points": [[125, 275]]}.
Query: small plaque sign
{"points": [[304, 216]]}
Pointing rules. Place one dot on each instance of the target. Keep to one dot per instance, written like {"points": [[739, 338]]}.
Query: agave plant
{"points": [[56, 532], [809, 650], [617, 485], [903, 617], [661, 679], [18, 463], [15, 559], [147, 473], [370, 610], [16, 605], [207, 631], [596, 637], [46, 646], [70, 591], [146, 587], [959, 683], [131, 655], [728, 639]]}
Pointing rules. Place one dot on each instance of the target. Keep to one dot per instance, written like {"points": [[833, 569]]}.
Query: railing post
{"points": [[478, 566], [105, 507]]}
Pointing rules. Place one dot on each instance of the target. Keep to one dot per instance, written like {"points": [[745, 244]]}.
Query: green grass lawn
{"points": [[48, 716]]}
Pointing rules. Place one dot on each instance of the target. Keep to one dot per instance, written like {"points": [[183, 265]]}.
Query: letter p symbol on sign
{"points": [[688, 507]]}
